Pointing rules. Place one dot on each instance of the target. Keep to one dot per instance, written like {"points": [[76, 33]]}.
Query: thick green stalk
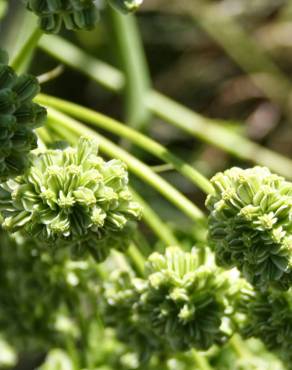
{"points": [[69, 128], [20, 58], [210, 131], [137, 258], [109, 124], [129, 46], [151, 218], [201, 362]]}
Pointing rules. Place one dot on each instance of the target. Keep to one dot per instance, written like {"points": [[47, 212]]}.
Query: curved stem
{"points": [[239, 346], [137, 258], [201, 361], [70, 129], [154, 222], [24, 52], [149, 145]]}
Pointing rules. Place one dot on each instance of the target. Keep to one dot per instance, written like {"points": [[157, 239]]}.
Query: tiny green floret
{"points": [[73, 14], [250, 224], [19, 116], [72, 197]]}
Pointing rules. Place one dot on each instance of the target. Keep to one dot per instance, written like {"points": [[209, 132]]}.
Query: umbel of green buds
{"points": [[269, 318], [73, 14], [126, 6], [184, 302], [250, 224], [19, 116], [187, 300], [73, 197]]}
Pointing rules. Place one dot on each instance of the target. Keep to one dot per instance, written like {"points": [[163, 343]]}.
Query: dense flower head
{"points": [[269, 318], [126, 6], [184, 302], [188, 300], [19, 116], [72, 197], [73, 14], [250, 224]]}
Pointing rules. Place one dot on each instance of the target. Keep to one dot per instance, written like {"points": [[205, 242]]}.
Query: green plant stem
{"points": [[201, 362], [109, 124], [155, 223], [68, 128], [129, 46], [137, 258], [209, 131], [26, 49], [239, 346]]}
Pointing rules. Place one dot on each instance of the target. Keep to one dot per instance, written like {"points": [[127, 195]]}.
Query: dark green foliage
{"points": [[250, 224], [72, 197], [19, 116], [73, 14]]}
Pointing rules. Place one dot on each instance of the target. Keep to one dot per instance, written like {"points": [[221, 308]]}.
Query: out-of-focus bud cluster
{"points": [[72, 197], [185, 301], [19, 116], [269, 318], [250, 225], [37, 292]]}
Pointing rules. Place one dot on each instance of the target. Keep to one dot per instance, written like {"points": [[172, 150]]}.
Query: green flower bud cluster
{"points": [[250, 225], [269, 318], [126, 6], [188, 300], [185, 302], [19, 116], [37, 290], [73, 14], [72, 197]]}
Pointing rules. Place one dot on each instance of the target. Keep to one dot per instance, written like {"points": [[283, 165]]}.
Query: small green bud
{"points": [[126, 6], [250, 225]]}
